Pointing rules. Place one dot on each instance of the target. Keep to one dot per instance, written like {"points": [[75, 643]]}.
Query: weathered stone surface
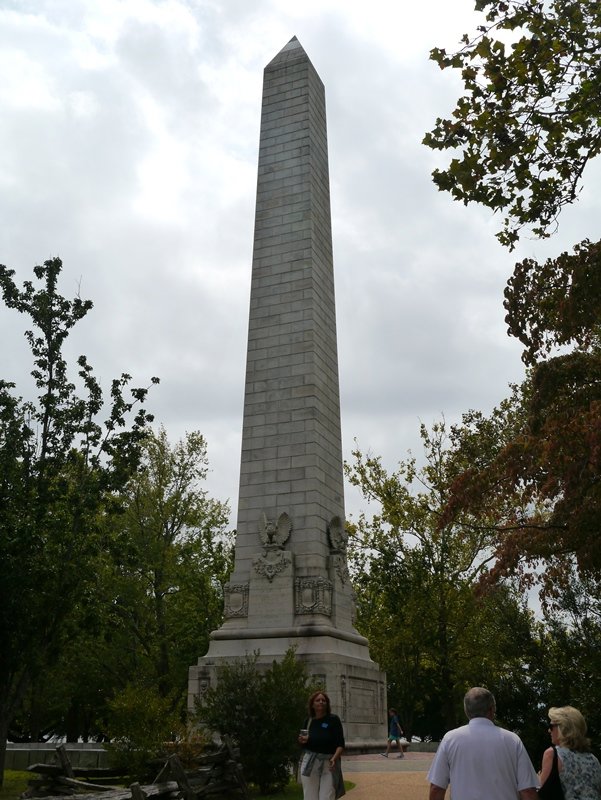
{"points": [[290, 584]]}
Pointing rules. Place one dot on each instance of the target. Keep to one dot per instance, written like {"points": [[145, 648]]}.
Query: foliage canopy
{"points": [[550, 464], [171, 555], [530, 118], [526, 126], [60, 467], [417, 584]]}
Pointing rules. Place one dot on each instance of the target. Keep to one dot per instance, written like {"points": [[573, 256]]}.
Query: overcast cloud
{"points": [[128, 147]]}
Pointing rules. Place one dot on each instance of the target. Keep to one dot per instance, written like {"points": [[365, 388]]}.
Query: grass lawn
{"points": [[16, 782]]}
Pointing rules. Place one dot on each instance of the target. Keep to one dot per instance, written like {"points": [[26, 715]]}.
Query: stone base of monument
{"points": [[337, 661]]}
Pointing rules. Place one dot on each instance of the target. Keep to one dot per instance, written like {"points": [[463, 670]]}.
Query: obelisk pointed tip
{"points": [[291, 51], [292, 44]]}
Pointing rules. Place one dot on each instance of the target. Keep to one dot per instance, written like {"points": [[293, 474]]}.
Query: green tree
{"points": [[526, 126], [262, 710], [568, 670], [530, 118], [417, 585], [60, 470], [573, 616], [158, 596], [551, 460], [141, 722], [172, 556]]}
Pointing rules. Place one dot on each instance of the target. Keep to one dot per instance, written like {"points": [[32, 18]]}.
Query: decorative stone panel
{"points": [[319, 679], [367, 698], [236, 600], [313, 596]]}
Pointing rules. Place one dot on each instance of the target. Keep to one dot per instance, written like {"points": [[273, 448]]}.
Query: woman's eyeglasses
{"points": [[553, 725]]}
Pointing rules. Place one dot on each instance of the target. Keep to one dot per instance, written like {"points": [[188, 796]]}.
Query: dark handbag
{"points": [[551, 788]]}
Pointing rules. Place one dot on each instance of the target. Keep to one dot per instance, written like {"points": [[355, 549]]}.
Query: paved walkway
{"points": [[392, 778]]}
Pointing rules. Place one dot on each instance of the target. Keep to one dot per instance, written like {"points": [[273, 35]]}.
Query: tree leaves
{"points": [[557, 303], [417, 575], [60, 468], [171, 555], [530, 119], [525, 128], [553, 458], [262, 709]]}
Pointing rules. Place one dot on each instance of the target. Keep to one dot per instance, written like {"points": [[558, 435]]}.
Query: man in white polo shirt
{"points": [[480, 760]]}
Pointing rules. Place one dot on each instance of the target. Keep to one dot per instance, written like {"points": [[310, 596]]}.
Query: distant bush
{"points": [[140, 723], [262, 710], [189, 745]]}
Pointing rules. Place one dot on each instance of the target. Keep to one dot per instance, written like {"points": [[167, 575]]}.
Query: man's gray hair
{"points": [[478, 702]]}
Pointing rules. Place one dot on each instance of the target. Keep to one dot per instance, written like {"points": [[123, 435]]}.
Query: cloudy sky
{"points": [[128, 147]]}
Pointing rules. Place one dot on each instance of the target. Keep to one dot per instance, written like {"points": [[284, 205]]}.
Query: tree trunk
{"points": [[3, 737], [12, 694]]}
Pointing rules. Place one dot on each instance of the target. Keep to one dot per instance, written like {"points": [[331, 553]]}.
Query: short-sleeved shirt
{"points": [[581, 775], [394, 728], [482, 761]]}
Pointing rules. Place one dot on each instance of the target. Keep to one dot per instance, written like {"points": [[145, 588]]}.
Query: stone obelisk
{"points": [[290, 585]]}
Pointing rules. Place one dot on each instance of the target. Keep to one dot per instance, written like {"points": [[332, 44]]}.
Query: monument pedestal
{"points": [[354, 683], [278, 608]]}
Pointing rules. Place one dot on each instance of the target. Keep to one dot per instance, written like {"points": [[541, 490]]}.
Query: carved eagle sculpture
{"points": [[275, 535], [337, 535]]}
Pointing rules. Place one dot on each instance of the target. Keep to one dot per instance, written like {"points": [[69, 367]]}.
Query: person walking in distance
{"points": [[394, 733], [480, 760]]}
